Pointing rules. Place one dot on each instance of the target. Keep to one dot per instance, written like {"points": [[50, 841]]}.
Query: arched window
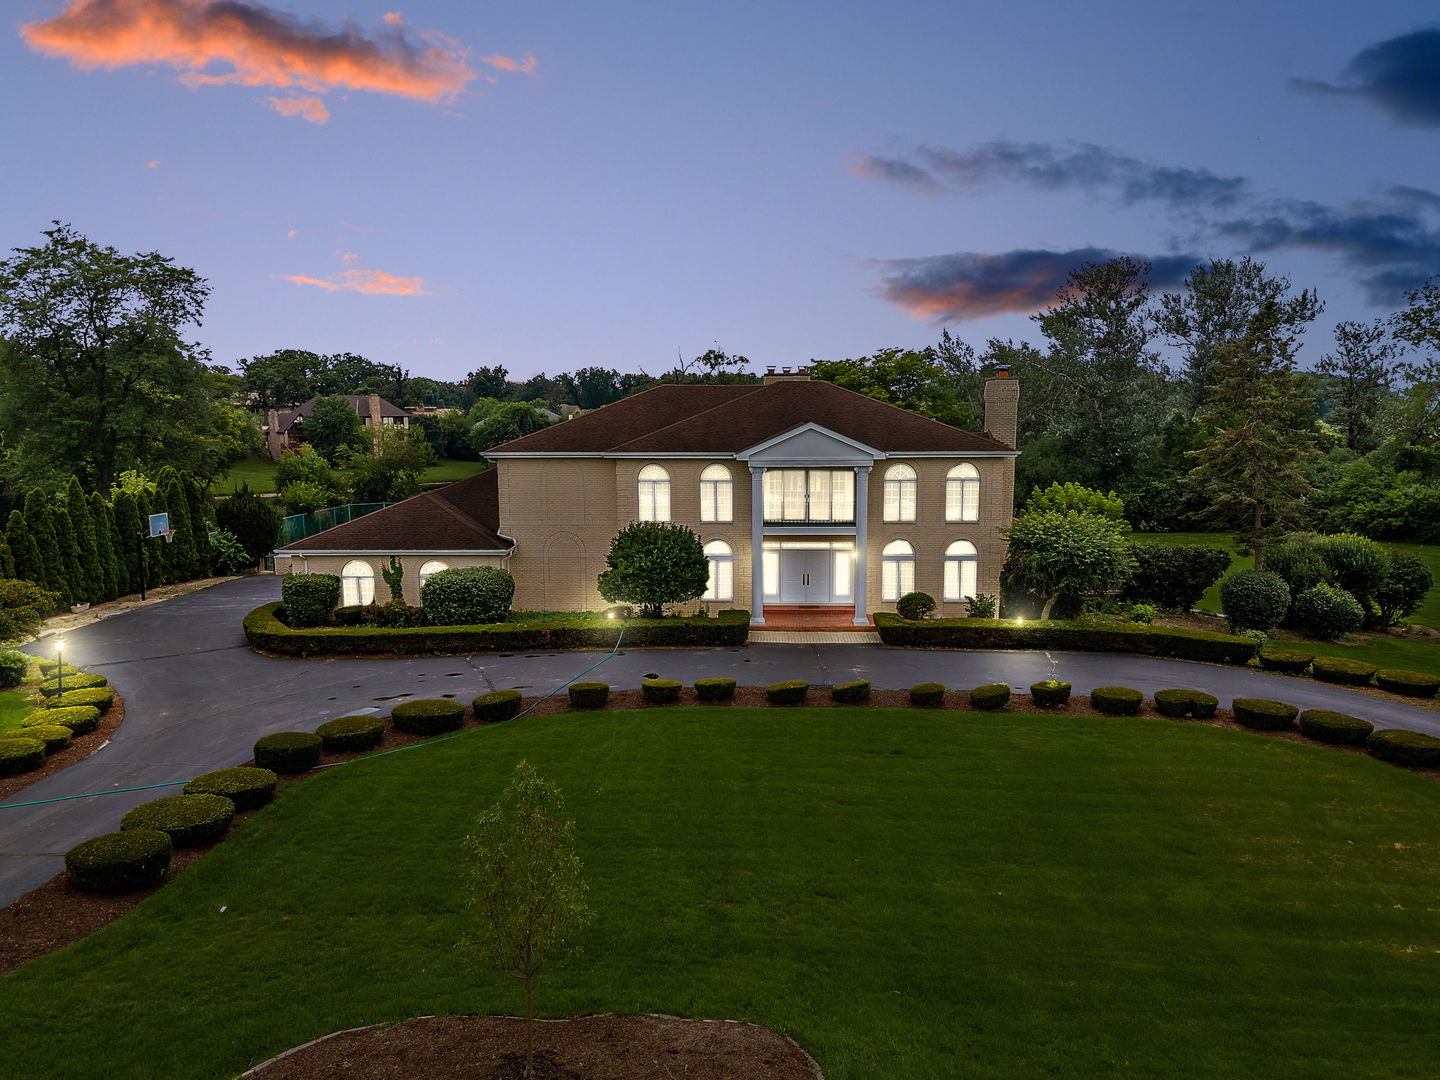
{"points": [[962, 493], [430, 569], [717, 494], [654, 494], [897, 569], [721, 585], [357, 583], [900, 487], [962, 571]]}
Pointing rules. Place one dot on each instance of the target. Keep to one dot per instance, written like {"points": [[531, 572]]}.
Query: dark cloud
{"points": [[1401, 76], [896, 171], [966, 285]]}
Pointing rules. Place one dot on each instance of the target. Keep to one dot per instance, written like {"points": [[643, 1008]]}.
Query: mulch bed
{"points": [[79, 749], [586, 1048]]}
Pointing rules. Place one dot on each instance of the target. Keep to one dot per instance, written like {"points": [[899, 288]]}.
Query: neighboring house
{"points": [[285, 430], [860, 502]]}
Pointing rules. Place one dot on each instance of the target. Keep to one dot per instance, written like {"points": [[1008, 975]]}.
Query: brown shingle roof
{"points": [[675, 418], [463, 516], [359, 402]]}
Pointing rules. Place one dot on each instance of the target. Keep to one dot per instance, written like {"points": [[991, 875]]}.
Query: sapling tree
{"points": [[655, 563], [1068, 554]]}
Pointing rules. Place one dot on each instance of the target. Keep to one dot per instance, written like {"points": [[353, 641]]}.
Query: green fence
{"points": [[298, 526]]}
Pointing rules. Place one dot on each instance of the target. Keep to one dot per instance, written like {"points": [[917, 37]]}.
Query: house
{"points": [[859, 502], [285, 430]]}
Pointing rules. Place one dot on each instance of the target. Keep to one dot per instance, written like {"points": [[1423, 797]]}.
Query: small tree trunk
{"points": [[529, 1025], [1050, 603]]}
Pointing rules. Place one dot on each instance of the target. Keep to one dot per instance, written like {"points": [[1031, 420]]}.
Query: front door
{"points": [[805, 576]]}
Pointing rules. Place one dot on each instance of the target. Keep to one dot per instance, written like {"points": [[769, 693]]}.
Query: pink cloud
{"points": [[307, 108], [152, 164], [359, 279], [506, 63]]}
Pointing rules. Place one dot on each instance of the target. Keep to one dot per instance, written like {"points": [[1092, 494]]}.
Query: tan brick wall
{"points": [[334, 564]]}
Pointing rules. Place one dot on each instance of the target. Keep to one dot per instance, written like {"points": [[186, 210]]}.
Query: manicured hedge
{"points": [[467, 594], [715, 689], [309, 599], [246, 786], [789, 692], [992, 697], [1050, 695], [1264, 715], [927, 695], [1116, 700], [589, 695], [120, 862], [1292, 661], [428, 716], [102, 697], [1419, 684], [78, 681], [1185, 703], [187, 819], [20, 755], [288, 751], [1405, 748], [13, 668], [48, 668], [1079, 636], [80, 719], [497, 706], [268, 634], [661, 691], [1342, 670], [53, 736], [1325, 726], [850, 693], [347, 734]]}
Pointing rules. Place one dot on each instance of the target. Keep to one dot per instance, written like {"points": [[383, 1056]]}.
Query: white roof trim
{"points": [[393, 551], [799, 429]]}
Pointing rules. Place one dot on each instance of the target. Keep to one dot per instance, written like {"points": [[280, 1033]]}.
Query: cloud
{"points": [[967, 285], [355, 278], [905, 173], [260, 46], [153, 164], [1399, 76], [307, 108], [506, 63]]}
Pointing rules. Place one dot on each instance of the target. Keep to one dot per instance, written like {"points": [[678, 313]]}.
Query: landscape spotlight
{"points": [[609, 614], [60, 665]]}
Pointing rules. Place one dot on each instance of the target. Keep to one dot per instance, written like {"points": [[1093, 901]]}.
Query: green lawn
{"points": [[908, 893], [259, 473], [15, 705]]}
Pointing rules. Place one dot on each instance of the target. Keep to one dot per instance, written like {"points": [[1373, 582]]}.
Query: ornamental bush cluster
{"points": [[1254, 600], [1174, 577], [467, 596]]}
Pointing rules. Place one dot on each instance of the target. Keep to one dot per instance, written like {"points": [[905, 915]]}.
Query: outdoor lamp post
{"points": [[59, 665]]}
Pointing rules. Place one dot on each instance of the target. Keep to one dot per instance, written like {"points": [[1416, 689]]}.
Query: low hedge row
{"points": [[1401, 747], [100, 697], [120, 862], [348, 734], [187, 819], [661, 691], [1050, 694], [1325, 726], [52, 736], [79, 681], [715, 689], [80, 719], [20, 756], [266, 632], [1264, 715], [850, 693], [428, 716], [246, 786], [289, 751], [1194, 703], [497, 706]]}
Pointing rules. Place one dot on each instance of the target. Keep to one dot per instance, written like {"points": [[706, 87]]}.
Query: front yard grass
{"points": [[907, 893], [259, 473], [15, 705]]}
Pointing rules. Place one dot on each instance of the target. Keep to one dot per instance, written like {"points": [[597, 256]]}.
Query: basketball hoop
{"points": [[169, 535]]}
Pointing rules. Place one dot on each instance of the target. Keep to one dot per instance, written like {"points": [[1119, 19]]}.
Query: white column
{"points": [[862, 542], [757, 546]]}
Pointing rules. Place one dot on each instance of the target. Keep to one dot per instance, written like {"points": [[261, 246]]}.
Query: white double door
{"points": [[807, 576]]}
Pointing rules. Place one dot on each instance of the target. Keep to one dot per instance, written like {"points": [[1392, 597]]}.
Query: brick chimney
{"points": [[785, 375], [374, 420], [1002, 406]]}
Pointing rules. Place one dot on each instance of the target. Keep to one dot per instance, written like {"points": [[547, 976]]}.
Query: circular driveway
{"points": [[197, 698]]}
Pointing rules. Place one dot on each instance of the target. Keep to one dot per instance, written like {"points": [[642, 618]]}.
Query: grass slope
{"points": [[15, 705], [259, 473], [907, 893]]}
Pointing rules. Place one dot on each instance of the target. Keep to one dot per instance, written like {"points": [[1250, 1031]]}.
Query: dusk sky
{"points": [[554, 185]]}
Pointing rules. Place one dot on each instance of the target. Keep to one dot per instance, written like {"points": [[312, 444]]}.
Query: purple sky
{"points": [[550, 186]]}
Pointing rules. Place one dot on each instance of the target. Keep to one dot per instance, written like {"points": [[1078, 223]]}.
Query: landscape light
{"points": [[609, 614], [59, 665]]}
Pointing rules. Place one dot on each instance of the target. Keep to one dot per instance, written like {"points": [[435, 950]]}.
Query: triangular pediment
{"points": [[810, 444]]}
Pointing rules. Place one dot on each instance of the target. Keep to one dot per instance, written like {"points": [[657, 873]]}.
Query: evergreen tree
{"points": [[75, 574], [7, 561], [26, 563], [180, 558], [82, 524], [108, 573], [1361, 371], [126, 511], [254, 520], [51, 569], [202, 523]]}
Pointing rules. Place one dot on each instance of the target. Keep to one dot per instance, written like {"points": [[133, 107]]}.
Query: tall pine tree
{"points": [[41, 523], [83, 524], [26, 563], [127, 541], [108, 571], [70, 554]]}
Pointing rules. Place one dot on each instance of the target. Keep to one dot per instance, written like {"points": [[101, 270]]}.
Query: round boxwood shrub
{"points": [[1203, 705], [78, 681], [589, 695], [992, 697], [1173, 702], [1116, 700], [288, 751], [496, 706], [927, 695], [715, 689], [14, 666], [467, 596], [80, 719], [850, 693], [915, 605], [1327, 612], [188, 819], [661, 691], [1291, 661], [1342, 670], [101, 697], [120, 862], [1050, 694], [1264, 715], [346, 734], [246, 786], [1254, 599], [308, 599], [1325, 726], [1401, 747], [53, 736], [1410, 683], [790, 692], [428, 716], [20, 755]]}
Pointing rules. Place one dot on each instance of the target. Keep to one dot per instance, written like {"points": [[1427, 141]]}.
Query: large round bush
{"points": [[308, 599], [187, 819], [915, 605], [288, 751], [1326, 612], [246, 786], [467, 596], [19, 755], [1254, 599], [347, 734], [80, 719], [428, 716], [120, 862], [13, 666]]}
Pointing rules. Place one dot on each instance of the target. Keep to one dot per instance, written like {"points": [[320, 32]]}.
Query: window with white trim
{"points": [[654, 494], [430, 569], [357, 583], [962, 493], [721, 585], [717, 494], [897, 570], [962, 571], [900, 487]]}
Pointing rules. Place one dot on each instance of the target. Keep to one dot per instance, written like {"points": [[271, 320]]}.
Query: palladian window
{"points": [[962, 493], [654, 494], [962, 571], [357, 583], [900, 485], [430, 569], [717, 494], [897, 570], [721, 585]]}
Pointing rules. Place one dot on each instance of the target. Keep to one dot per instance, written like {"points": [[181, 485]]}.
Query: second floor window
{"points": [[803, 495], [717, 494], [900, 485], [962, 493], [654, 494]]}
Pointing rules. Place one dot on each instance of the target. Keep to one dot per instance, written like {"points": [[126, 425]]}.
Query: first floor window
{"points": [[962, 571], [897, 570], [357, 583], [721, 585], [654, 494], [430, 569]]}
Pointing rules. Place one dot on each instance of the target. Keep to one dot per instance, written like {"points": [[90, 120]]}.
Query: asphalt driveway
{"points": [[197, 698]]}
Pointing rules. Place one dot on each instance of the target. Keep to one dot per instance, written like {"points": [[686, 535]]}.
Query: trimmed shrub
{"points": [[1326, 612], [1174, 577], [790, 692], [1203, 705], [1264, 715], [1403, 589], [1342, 670], [187, 819], [13, 668], [915, 605], [715, 689], [1356, 563], [661, 691], [78, 681], [850, 693], [927, 695], [1116, 700], [1292, 661], [981, 606], [20, 755], [1325, 726], [288, 751], [120, 862], [308, 599], [1254, 599], [589, 695], [1174, 702], [497, 706], [428, 716], [1050, 694], [1142, 613], [246, 786], [53, 736], [992, 697], [1410, 683], [101, 697], [346, 734], [80, 719], [1401, 747], [48, 668], [467, 596], [1295, 558]]}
